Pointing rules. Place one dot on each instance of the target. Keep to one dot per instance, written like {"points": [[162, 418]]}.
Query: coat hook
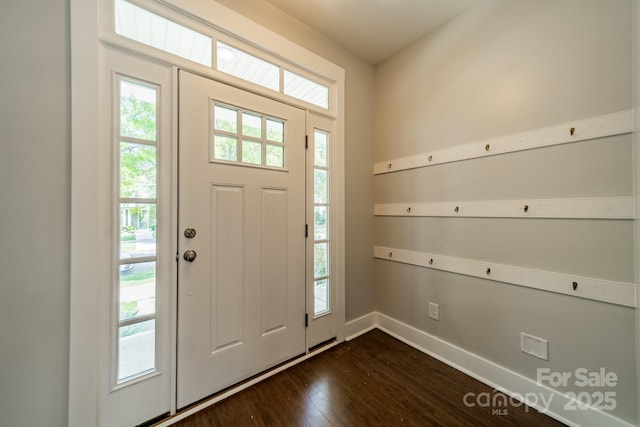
{"points": [[456, 209], [526, 208], [430, 261], [390, 254], [575, 285], [409, 209], [488, 271], [572, 131], [430, 158], [388, 165], [487, 147]]}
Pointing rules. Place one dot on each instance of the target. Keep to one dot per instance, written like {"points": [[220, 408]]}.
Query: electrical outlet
{"points": [[535, 346], [434, 310]]}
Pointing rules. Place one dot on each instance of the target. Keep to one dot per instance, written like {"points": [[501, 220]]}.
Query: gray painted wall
{"points": [[501, 68], [34, 225]]}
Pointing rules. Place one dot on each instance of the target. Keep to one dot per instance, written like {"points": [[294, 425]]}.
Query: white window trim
{"points": [[89, 200]]}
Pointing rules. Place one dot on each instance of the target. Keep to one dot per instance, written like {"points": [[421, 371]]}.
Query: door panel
{"points": [[226, 287], [274, 260], [241, 301]]}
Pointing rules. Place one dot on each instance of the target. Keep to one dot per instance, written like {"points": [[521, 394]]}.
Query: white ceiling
{"points": [[373, 29]]}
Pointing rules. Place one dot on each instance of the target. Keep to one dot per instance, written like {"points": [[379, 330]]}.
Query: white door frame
{"points": [[90, 25]]}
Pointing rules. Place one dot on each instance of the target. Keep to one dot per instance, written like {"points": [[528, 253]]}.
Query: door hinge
{"points": [[306, 320], [306, 142], [306, 230], [177, 257]]}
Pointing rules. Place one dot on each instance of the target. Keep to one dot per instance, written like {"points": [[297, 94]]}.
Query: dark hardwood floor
{"points": [[373, 380]]}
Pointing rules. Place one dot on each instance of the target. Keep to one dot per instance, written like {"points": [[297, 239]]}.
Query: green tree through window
{"points": [[137, 118]]}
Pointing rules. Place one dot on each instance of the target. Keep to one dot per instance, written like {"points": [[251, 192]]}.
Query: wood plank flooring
{"points": [[373, 380]]}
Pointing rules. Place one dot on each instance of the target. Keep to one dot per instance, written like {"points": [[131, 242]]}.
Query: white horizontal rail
{"points": [[579, 130], [578, 208], [585, 287]]}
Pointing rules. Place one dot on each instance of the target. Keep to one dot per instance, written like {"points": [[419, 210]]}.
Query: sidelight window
{"points": [[137, 142], [321, 244]]}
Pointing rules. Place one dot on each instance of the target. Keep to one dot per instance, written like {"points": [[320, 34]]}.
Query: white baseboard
{"points": [[363, 324], [490, 373]]}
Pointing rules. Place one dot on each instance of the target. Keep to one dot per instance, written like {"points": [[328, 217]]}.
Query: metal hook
{"points": [[456, 209], [409, 209], [431, 261], [430, 158], [487, 147], [526, 208], [488, 271], [575, 285], [390, 254], [572, 131], [388, 165]]}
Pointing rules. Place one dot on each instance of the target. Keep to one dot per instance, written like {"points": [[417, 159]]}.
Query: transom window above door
{"points": [[202, 45], [246, 137]]}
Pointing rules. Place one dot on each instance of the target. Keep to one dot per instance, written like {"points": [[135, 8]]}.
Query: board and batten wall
{"points": [[502, 68], [359, 110]]}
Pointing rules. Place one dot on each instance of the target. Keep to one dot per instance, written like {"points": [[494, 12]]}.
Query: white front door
{"points": [[241, 235]]}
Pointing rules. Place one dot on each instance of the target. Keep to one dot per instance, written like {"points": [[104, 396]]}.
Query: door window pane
{"points": [[261, 138], [137, 171], [137, 290], [137, 110], [320, 260], [320, 186], [225, 119], [251, 125], [275, 130], [320, 222], [137, 230], [275, 155], [320, 154], [225, 148], [136, 349], [321, 296], [252, 152]]}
